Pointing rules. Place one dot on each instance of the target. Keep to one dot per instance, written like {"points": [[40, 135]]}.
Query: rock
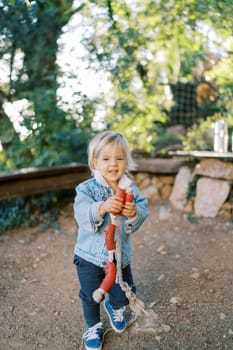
{"points": [[189, 206], [161, 186], [156, 180], [226, 211], [152, 304], [195, 275], [145, 182], [161, 250], [164, 212], [151, 193], [215, 168], [165, 191], [178, 301], [180, 188], [161, 277], [167, 179], [211, 194], [139, 178]]}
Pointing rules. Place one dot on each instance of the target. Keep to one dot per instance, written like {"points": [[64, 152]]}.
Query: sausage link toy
{"points": [[110, 270]]}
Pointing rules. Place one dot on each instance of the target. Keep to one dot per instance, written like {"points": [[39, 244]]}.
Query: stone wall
{"points": [[211, 192]]}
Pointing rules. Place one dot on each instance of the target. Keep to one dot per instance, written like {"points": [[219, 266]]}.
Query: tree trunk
{"points": [[8, 135]]}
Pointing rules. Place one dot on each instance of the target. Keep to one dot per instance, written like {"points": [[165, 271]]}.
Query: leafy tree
{"points": [[143, 46], [30, 33], [146, 45]]}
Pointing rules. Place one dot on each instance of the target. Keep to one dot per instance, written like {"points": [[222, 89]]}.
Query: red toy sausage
{"points": [[129, 197], [109, 279], [121, 194], [110, 276], [109, 237], [110, 270]]}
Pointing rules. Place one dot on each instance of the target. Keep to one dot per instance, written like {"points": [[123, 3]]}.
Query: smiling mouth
{"points": [[113, 172]]}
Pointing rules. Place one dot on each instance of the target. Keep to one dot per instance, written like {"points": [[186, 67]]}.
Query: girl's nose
{"points": [[113, 161]]}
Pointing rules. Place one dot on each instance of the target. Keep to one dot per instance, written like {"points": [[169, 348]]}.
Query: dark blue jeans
{"points": [[90, 277]]}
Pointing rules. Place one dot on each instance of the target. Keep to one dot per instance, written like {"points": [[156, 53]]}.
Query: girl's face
{"points": [[111, 163]]}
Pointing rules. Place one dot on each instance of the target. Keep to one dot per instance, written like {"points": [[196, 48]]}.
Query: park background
{"points": [[159, 72]]}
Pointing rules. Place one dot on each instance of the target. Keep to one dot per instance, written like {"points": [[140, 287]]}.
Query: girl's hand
{"points": [[112, 204], [129, 210]]}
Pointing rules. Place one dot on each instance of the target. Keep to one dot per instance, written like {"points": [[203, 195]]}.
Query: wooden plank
{"points": [[202, 154], [160, 165], [27, 183], [30, 181], [29, 173]]}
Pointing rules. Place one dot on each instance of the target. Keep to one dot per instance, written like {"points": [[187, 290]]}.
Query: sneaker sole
{"points": [[112, 325], [87, 348], [99, 348]]}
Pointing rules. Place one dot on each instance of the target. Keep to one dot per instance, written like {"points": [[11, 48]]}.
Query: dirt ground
{"points": [[183, 272]]}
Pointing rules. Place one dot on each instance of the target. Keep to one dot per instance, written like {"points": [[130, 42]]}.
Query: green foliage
{"points": [[66, 146], [143, 46], [223, 75], [165, 139], [148, 45], [12, 214], [200, 137], [61, 147], [31, 211], [190, 217], [191, 193], [30, 32]]}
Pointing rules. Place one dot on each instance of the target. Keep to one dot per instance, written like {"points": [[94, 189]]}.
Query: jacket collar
{"points": [[123, 182]]}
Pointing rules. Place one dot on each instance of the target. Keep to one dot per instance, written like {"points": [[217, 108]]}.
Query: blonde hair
{"points": [[104, 138]]}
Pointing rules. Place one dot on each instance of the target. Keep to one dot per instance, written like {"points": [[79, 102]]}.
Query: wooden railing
{"points": [[33, 181], [30, 181], [226, 156]]}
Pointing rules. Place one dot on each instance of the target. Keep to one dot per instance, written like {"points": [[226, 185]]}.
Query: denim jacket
{"points": [[90, 243]]}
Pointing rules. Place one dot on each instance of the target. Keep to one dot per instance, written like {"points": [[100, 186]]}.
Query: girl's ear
{"points": [[95, 163]]}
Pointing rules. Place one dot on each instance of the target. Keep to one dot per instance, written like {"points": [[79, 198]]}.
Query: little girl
{"points": [[109, 160]]}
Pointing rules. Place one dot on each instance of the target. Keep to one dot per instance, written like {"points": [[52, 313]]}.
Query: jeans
{"points": [[90, 277]]}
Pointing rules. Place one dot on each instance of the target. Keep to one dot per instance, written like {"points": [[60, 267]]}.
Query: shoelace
{"points": [[93, 332], [118, 314]]}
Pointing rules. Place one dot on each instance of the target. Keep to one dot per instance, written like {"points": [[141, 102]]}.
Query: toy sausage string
{"points": [[110, 270]]}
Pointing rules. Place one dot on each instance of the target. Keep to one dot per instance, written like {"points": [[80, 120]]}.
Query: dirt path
{"points": [[183, 272]]}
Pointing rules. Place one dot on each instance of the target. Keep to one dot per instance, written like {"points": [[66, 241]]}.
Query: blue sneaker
{"points": [[93, 337], [116, 317]]}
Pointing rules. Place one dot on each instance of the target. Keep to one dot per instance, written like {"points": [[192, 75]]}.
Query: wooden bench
{"points": [[30, 181]]}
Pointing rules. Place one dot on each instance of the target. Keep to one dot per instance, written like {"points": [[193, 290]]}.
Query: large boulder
{"points": [[211, 194]]}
